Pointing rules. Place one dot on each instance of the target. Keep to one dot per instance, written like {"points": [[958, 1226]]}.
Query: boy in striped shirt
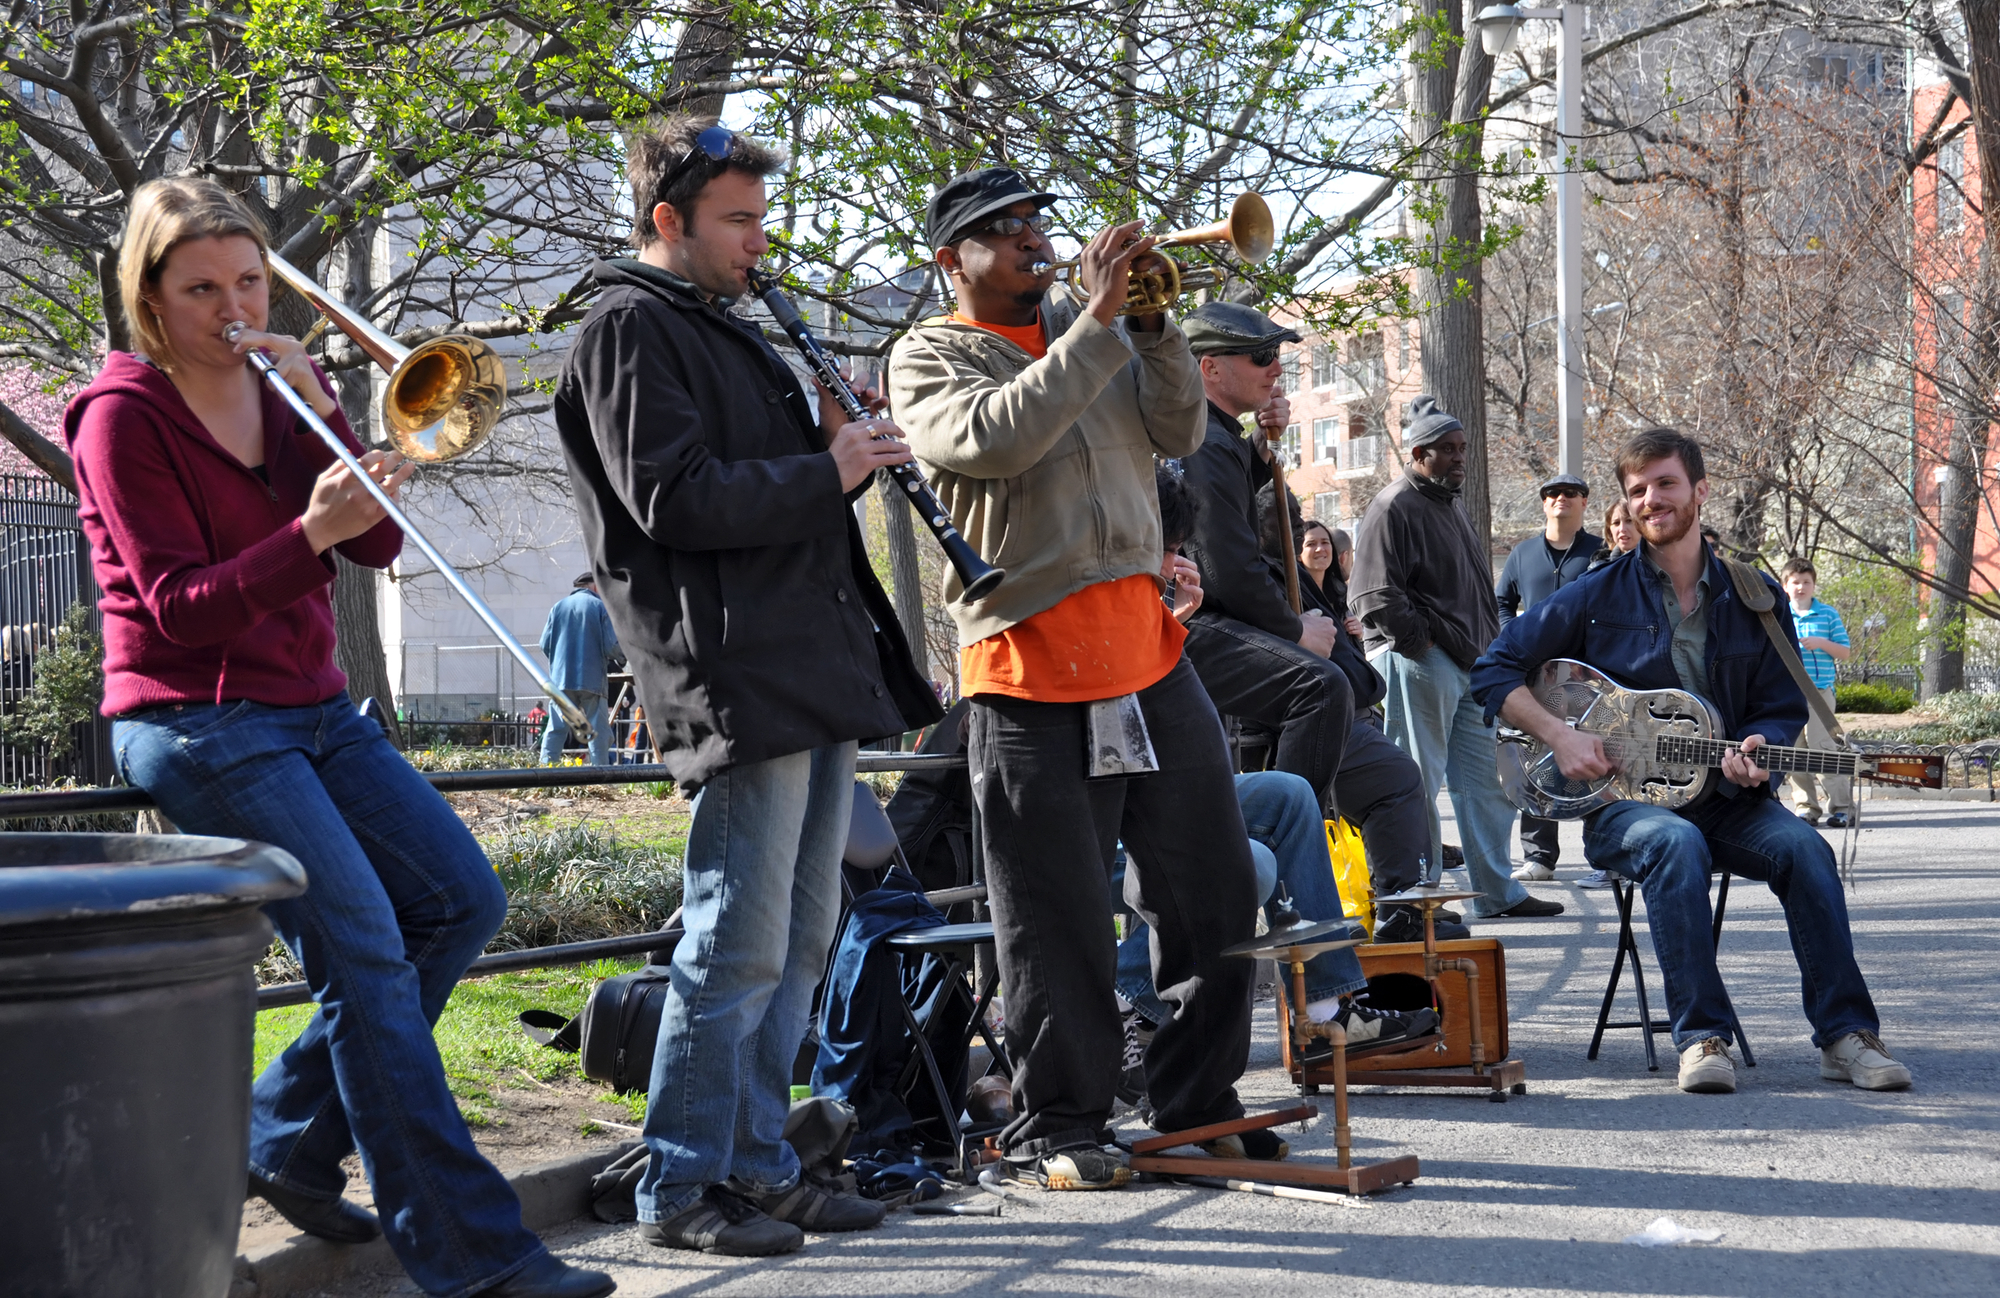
{"points": [[1822, 643]]}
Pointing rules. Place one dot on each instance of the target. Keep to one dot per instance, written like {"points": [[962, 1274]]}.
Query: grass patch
{"points": [[479, 1037], [573, 882], [1961, 717]]}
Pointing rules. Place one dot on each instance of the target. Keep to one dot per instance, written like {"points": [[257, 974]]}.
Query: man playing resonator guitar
{"points": [[1666, 616]]}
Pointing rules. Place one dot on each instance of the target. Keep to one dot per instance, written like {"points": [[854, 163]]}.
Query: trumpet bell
{"points": [[445, 398], [1249, 230]]}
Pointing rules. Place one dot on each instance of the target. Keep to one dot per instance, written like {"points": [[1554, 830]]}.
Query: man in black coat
{"points": [[715, 504], [1300, 674]]}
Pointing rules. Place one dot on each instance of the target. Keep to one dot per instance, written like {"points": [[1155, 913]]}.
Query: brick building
{"points": [[1348, 393]]}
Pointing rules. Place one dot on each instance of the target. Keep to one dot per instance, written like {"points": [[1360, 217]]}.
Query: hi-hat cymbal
{"points": [[1424, 896], [1289, 951], [1291, 935]]}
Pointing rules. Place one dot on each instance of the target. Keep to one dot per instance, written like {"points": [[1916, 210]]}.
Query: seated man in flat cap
{"points": [[1301, 675], [1423, 588]]}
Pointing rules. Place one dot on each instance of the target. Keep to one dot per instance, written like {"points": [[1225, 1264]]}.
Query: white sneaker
{"points": [[1535, 872], [1707, 1069], [1595, 879], [1861, 1058]]}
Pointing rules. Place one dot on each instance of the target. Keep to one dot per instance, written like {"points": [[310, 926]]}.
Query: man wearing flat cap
{"points": [[1538, 568], [1423, 590], [1036, 410], [1299, 675]]}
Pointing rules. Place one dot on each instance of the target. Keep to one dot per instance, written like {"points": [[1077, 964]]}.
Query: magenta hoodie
{"points": [[211, 593]]}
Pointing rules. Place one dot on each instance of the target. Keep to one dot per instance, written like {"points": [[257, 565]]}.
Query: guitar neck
{"points": [[1684, 750]]}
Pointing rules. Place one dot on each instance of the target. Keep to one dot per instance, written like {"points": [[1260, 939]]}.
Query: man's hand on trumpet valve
{"points": [[1106, 269], [342, 509]]}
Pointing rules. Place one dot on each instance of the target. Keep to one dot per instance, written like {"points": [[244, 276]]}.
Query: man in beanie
{"points": [[1536, 569], [1423, 589], [579, 642], [1300, 675]]}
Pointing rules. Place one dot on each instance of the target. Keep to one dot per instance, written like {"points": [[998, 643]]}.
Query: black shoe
{"points": [[1446, 915], [1453, 858], [1131, 1087], [1530, 908], [1081, 1169], [548, 1276], [1406, 924], [1262, 1145], [330, 1219], [822, 1212], [1372, 1031], [721, 1222], [1839, 820]]}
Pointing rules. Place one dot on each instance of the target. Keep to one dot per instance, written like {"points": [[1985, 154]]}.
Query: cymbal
{"points": [[1292, 935], [1263, 950], [1433, 895]]}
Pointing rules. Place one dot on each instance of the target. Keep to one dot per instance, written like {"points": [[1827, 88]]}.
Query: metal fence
{"points": [[44, 569]]}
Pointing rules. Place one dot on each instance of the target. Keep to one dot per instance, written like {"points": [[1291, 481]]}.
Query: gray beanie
{"points": [[1427, 423]]}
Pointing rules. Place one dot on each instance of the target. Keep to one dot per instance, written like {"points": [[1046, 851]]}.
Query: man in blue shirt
{"points": [[1666, 616], [579, 641], [1822, 643]]}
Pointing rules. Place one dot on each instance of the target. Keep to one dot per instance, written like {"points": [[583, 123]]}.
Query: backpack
{"points": [[616, 1032]]}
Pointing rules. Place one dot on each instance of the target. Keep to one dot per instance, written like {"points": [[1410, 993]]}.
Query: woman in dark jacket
{"points": [[210, 514], [1621, 535]]}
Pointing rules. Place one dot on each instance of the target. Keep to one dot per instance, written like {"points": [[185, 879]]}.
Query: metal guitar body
{"points": [[1631, 723]]}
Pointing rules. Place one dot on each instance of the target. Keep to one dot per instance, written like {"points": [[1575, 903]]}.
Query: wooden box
{"points": [[1408, 958]]}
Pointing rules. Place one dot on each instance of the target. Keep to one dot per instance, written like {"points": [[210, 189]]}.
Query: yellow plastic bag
{"points": [[1350, 872]]}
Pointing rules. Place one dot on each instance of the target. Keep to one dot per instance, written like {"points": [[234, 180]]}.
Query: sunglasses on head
{"points": [[1008, 226], [716, 144]]}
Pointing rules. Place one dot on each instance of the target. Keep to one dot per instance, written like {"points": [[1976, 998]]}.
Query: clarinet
{"points": [[977, 576]]}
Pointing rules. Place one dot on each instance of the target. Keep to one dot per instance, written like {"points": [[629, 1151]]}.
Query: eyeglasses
{"points": [[1007, 226], [716, 144]]}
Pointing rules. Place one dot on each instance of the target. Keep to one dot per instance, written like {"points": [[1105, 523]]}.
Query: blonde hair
{"points": [[164, 215]]}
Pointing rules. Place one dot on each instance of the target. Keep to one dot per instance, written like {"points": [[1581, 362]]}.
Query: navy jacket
{"points": [[1531, 574], [1613, 620]]}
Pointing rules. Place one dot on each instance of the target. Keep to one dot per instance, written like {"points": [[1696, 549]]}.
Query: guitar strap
{"points": [[1758, 598]]}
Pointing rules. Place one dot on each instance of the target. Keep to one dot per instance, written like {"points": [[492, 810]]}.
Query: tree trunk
{"points": [[1448, 86], [901, 524], [707, 53], [1962, 493]]}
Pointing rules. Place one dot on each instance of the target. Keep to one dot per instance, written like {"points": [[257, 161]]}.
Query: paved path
{"points": [[1817, 1187]]}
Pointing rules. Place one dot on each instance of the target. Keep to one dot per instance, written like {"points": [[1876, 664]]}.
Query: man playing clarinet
{"points": [[1037, 414], [714, 501]]}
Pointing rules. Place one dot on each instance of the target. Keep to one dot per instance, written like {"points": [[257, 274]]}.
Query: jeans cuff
{"points": [[326, 1194], [1822, 1040], [1321, 991], [741, 1185], [665, 1209]]}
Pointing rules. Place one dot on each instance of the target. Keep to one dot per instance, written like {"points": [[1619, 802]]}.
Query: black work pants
{"points": [[1050, 836], [1381, 790], [1255, 676], [1540, 841]]}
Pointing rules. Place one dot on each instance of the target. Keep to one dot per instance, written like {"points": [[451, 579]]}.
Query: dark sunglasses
{"points": [[1261, 357], [1567, 493], [1008, 226], [716, 144]]}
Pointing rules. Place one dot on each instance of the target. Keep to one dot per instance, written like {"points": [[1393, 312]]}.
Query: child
{"points": [[1822, 643]]}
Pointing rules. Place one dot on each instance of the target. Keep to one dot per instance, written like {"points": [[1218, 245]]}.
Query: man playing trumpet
{"points": [[1036, 412]]}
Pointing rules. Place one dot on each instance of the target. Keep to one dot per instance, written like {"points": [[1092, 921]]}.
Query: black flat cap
{"points": [[588, 579], [1562, 480], [1220, 328], [964, 200], [1427, 422]]}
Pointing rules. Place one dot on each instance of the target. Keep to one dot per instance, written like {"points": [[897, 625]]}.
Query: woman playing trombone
{"points": [[210, 518]]}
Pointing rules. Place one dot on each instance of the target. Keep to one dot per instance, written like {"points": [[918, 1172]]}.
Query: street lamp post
{"points": [[1499, 26]]}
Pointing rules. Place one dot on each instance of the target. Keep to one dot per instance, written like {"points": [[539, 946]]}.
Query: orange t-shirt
{"points": [[1111, 638]]}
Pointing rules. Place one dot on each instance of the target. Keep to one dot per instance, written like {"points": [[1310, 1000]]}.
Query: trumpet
{"points": [[443, 400], [1248, 230]]}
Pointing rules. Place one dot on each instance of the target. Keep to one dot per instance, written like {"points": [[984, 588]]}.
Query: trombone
{"points": [[1248, 230], [443, 399]]}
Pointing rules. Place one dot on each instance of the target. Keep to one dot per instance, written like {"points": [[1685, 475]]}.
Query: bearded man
{"points": [[1666, 616]]}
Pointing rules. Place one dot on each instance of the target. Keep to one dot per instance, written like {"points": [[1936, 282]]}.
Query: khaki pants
{"points": [[1839, 788]]}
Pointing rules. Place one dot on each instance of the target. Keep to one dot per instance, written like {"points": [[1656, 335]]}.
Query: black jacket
{"points": [[1533, 574], [1421, 577], [1367, 683], [722, 543], [1224, 475]]}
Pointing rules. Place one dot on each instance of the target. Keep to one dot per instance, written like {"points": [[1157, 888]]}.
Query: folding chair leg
{"points": [[985, 1033], [1624, 897], [923, 1049], [1639, 986]]}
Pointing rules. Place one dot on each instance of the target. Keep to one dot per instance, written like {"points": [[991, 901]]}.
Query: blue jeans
{"points": [[400, 901], [1670, 854], [1432, 716], [762, 894], [556, 733], [1287, 844]]}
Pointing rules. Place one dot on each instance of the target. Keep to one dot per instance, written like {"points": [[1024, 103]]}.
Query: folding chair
{"points": [[1626, 892]]}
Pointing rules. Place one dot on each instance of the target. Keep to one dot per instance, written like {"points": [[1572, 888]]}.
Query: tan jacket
{"points": [[1046, 466]]}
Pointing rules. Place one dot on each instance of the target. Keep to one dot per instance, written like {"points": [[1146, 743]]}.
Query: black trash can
{"points": [[127, 1004]]}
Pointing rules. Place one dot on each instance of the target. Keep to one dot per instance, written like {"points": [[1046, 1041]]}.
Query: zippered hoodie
{"points": [[211, 592], [1046, 466]]}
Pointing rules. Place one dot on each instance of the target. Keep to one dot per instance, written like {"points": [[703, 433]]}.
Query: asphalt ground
{"points": [[1817, 1187]]}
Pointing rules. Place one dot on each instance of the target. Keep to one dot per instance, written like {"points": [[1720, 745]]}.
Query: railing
{"points": [[75, 802]]}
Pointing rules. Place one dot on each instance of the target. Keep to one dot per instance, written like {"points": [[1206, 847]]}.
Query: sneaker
{"points": [[813, 1208], [1595, 879], [1839, 820], [1861, 1058], [1084, 1168], [1132, 1070], [1810, 817], [1707, 1069], [1530, 908], [1263, 1145], [721, 1222], [1535, 872], [1453, 858], [1371, 1031], [1406, 924]]}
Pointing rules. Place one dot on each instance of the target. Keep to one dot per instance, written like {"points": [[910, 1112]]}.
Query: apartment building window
{"points": [[1324, 439], [1402, 349], [1364, 361], [1288, 447], [1288, 372], [1326, 508], [1326, 364], [1951, 187], [1360, 453]]}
